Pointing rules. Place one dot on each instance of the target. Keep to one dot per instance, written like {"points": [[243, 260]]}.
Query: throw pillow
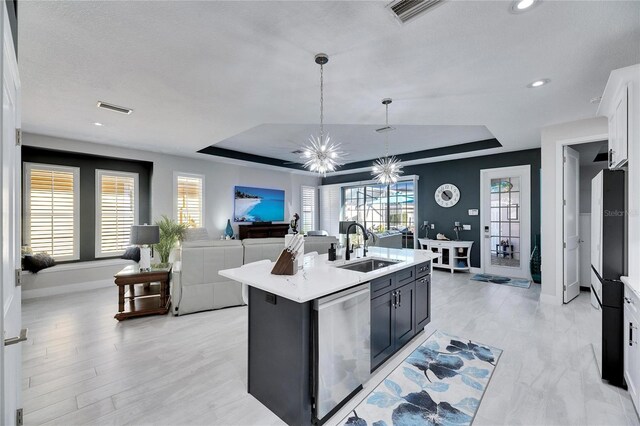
{"points": [[37, 262], [132, 253]]}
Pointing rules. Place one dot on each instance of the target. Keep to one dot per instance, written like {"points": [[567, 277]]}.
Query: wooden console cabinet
{"points": [[263, 231]]}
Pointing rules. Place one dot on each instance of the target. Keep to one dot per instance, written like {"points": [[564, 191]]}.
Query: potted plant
{"points": [[171, 232]]}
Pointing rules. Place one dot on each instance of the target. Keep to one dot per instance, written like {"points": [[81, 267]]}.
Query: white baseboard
{"points": [[549, 299], [66, 289], [475, 270]]}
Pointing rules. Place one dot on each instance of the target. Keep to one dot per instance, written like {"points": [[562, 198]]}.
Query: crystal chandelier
{"points": [[387, 170], [321, 155]]}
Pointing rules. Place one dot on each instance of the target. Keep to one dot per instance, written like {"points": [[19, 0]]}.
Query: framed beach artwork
{"points": [[258, 204]]}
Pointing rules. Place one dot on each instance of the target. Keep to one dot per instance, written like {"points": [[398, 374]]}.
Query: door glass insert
{"points": [[505, 222]]}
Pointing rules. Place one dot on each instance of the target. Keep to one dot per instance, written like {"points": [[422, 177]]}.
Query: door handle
{"points": [[399, 297], [21, 338]]}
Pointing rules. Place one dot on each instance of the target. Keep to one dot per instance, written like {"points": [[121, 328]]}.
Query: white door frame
{"points": [[10, 231], [571, 237], [525, 222], [559, 235]]}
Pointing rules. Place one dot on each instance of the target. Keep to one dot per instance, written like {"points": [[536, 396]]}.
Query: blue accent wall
{"points": [[465, 174]]}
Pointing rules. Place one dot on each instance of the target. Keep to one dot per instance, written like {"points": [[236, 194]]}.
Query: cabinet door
{"points": [[618, 128], [382, 337], [628, 351], [405, 315], [383, 285], [423, 296]]}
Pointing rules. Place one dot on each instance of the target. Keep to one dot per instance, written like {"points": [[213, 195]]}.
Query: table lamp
{"points": [[142, 236]]}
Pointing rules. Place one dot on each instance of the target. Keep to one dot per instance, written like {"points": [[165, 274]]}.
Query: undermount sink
{"points": [[369, 265]]}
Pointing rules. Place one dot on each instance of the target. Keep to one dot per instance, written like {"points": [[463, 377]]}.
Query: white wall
{"points": [[552, 140], [220, 178]]}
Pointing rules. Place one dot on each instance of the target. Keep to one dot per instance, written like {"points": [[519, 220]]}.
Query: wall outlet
{"points": [[433, 226], [466, 227]]}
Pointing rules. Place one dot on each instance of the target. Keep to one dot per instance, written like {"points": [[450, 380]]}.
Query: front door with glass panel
{"points": [[506, 212]]}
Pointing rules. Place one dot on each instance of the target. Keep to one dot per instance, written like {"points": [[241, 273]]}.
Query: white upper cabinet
{"points": [[619, 105]]}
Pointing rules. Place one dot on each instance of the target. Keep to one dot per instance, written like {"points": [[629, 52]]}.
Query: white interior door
{"points": [[571, 228], [11, 358], [585, 254], [505, 197]]}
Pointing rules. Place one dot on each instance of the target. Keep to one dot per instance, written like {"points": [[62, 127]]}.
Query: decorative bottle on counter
{"points": [[229, 230], [332, 252]]}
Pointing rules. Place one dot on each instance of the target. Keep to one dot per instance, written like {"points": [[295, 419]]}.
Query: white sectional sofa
{"points": [[196, 285]]}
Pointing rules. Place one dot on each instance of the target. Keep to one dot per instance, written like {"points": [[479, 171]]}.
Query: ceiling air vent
{"points": [[406, 10], [114, 108], [385, 129]]}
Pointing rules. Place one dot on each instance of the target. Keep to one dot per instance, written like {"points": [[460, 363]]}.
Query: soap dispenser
{"points": [[332, 252]]}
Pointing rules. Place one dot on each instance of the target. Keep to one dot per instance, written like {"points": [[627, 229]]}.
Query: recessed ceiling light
{"points": [[538, 83], [98, 124], [519, 6]]}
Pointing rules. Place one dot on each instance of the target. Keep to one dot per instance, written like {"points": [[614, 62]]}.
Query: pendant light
{"points": [[387, 170], [321, 155]]}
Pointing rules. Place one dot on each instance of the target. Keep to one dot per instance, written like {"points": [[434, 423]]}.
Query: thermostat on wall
{"points": [[473, 212]]}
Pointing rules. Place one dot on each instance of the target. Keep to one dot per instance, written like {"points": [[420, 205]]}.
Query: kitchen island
{"points": [[315, 337]]}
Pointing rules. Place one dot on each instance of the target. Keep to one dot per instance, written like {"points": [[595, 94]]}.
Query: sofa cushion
{"points": [[319, 244], [256, 249], [263, 241], [196, 234], [211, 243]]}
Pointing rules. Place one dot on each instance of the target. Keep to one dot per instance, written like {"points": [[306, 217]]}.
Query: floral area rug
{"points": [[498, 279], [440, 383]]}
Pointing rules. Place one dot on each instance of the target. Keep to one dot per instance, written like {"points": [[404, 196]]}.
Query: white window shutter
{"points": [[309, 196], [116, 211], [189, 200], [330, 207], [51, 210]]}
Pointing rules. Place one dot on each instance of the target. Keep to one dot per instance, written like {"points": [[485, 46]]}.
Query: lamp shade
{"points": [[344, 224], [145, 234]]}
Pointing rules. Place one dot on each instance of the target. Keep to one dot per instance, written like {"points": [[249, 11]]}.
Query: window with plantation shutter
{"points": [[309, 209], [51, 210], [188, 194], [330, 208], [116, 211]]}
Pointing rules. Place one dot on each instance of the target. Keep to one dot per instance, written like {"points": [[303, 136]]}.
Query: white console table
{"points": [[455, 255]]}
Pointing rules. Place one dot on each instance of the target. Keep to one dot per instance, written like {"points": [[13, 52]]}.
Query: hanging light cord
{"points": [[386, 134], [321, 103]]}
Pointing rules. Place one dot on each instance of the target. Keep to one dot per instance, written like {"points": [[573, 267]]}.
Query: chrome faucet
{"points": [[349, 250]]}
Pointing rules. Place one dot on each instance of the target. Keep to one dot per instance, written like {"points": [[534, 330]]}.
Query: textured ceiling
{"points": [[198, 73]]}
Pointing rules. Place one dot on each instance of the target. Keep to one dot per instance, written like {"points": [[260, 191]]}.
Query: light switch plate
{"points": [[466, 227], [473, 212]]}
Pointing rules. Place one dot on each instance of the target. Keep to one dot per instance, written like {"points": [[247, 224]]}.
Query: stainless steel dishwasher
{"points": [[342, 348]]}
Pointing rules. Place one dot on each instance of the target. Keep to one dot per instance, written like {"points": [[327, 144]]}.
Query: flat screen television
{"points": [[258, 204]]}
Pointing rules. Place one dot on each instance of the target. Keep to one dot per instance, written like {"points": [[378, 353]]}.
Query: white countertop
{"points": [[320, 277]]}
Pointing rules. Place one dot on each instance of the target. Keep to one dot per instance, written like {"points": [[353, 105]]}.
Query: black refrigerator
{"points": [[608, 264]]}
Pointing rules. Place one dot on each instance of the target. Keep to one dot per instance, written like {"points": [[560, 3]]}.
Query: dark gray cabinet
{"points": [[400, 308], [423, 297], [405, 318], [382, 329]]}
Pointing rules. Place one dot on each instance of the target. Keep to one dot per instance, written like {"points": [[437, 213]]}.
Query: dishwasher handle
{"points": [[328, 304]]}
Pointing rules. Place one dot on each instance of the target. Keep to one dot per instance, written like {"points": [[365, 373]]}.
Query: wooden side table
{"points": [[148, 292]]}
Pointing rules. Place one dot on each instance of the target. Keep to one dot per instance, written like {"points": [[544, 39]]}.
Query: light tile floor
{"points": [[82, 367]]}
